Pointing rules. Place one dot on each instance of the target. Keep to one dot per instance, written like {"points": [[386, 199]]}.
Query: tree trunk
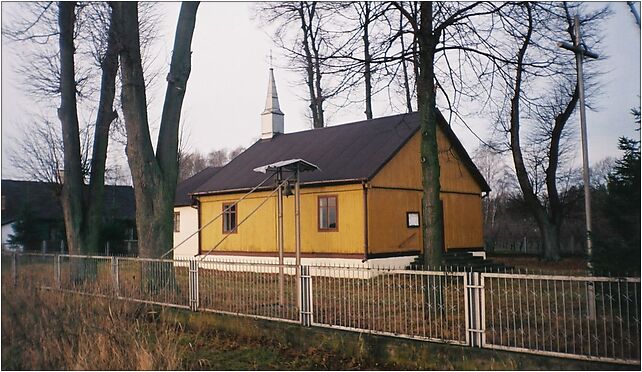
{"points": [[154, 175], [432, 209], [313, 71], [72, 188], [105, 116], [366, 56], [550, 237], [548, 220], [404, 67]]}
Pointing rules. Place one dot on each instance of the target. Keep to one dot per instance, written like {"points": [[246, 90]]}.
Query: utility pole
{"points": [[279, 233], [580, 53]]}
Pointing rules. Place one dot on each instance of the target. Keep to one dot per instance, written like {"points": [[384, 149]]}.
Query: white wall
{"points": [[7, 230], [188, 226]]}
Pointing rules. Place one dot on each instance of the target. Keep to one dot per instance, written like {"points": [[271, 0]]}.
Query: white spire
{"points": [[272, 117]]}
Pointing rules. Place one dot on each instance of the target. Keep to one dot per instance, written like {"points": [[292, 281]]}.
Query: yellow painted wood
{"points": [[258, 233], [387, 230], [463, 226], [462, 211], [404, 169], [387, 220]]}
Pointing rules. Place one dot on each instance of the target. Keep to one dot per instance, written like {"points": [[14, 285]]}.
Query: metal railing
{"points": [[427, 305], [590, 318], [250, 289], [595, 318]]}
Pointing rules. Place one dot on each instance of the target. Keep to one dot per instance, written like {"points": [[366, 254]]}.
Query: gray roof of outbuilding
{"points": [[189, 185], [344, 153]]}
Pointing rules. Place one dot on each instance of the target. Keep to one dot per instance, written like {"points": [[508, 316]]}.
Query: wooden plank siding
{"points": [[396, 189], [390, 194], [387, 230], [258, 233]]}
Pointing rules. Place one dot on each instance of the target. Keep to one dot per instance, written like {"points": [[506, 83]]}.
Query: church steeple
{"points": [[272, 122]]}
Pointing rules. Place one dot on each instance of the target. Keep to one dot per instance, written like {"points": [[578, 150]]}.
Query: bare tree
{"points": [[439, 30], [543, 81], [304, 32], [86, 57], [191, 163], [154, 174], [437, 33], [38, 152], [82, 208], [502, 181]]}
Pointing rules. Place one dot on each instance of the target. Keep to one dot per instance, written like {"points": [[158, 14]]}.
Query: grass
{"points": [[520, 313], [48, 330], [45, 329]]}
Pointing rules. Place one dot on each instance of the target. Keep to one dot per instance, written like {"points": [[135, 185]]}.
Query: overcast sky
{"points": [[227, 87]]}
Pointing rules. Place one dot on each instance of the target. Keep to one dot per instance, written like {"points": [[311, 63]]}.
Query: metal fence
{"points": [[587, 317], [426, 305], [591, 318]]}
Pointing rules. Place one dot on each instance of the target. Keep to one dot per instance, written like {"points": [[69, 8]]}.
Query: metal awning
{"points": [[288, 165]]}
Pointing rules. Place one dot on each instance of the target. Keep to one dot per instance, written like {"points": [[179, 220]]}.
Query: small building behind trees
{"points": [[32, 217]]}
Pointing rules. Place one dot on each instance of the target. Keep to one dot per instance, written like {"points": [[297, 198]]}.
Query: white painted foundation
{"points": [[319, 266]]}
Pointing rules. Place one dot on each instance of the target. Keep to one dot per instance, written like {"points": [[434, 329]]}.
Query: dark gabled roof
{"points": [[344, 153], [187, 186], [43, 202]]}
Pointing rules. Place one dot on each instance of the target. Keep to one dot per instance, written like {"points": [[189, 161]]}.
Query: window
{"points": [[328, 216], [177, 221], [412, 219], [229, 218]]}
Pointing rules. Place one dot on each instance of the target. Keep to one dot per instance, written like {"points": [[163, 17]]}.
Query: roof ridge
{"points": [[365, 121], [350, 151]]}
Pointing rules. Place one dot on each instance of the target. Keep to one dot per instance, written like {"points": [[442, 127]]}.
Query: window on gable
{"points": [[229, 218], [328, 215], [177, 221]]}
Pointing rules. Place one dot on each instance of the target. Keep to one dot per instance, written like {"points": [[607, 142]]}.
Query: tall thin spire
{"points": [[272, 117], [272, 99]]}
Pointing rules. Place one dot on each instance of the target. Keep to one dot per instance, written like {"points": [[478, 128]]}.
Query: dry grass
{"points": [[52, 330], [46, 329], [49, 330]]}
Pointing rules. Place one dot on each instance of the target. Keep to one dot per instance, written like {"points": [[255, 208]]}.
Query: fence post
{"points": [[475, 309], [58, 279], [306, 296], [193, 285], [115, 275], [14, 269]]}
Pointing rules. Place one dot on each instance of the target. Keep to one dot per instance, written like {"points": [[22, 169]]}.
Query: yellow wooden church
{"points": [[363, 203]]}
